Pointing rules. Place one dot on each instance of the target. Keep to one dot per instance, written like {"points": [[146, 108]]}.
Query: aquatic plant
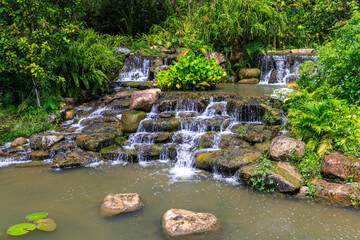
{"points": [[39, 221]]}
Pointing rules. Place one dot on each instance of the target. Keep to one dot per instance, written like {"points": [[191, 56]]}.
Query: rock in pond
{"points": [[226, 161], [96, 141], [144, 100], [18, 142], [44, 141], [283, 148], [283, 178], [180, 223], [130, 120], [75, 158], [121, 203], [337, 165], [342, 194]]}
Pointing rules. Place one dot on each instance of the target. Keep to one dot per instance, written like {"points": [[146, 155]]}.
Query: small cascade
{"points": [[282, 69], [136, 69]]}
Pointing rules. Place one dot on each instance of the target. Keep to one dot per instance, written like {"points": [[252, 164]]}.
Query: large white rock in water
{"points": [[282, 148], [121, 203], [179, 223], [44, 141], [143, 100]]}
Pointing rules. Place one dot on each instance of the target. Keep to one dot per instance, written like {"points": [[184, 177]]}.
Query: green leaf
{"points": [[36, 216], [21, 229], [47, 226]]}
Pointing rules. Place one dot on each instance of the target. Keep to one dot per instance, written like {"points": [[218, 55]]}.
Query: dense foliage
{"points": [[338, 65], [191, 72]]}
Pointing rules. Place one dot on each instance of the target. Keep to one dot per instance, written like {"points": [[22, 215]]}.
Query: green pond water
{"points": [[73, 199]]}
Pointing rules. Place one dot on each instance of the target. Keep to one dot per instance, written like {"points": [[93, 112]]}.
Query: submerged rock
{"points": [[283, 178], [337, 165], [130, 120], [283, 148], [226, 161], [18, 142], [121, 203], [144, 100], [96, 141], [44, 141], [179, 223], [75, 158], [343, 194]]}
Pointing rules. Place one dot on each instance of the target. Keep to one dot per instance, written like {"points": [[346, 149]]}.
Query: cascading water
{"points": [[136, 69], [282, 69]]}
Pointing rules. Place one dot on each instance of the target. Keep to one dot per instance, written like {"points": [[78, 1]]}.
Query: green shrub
{"points": [[191, 72], [324, 122], [338, 65], [31, 121], [86, 65]]}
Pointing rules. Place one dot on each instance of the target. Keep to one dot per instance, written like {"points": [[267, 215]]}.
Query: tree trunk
{"points": [[189, 7], [177, 9], [36, 90]]}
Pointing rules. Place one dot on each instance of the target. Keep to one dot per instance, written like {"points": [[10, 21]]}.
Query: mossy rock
{"points": [[39, 155], [131, 119], [96, 141], [75, 158], [207, 140], [161, 125], [226, 161], [162, 137]]}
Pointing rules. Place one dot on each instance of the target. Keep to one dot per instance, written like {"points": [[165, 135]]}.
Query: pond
{"points": [[73, 199]]}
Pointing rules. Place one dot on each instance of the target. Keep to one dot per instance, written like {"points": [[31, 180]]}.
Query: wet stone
{"points": [[75, 158], [167, 115], [39, 155], [18, 142], [114, 204]]}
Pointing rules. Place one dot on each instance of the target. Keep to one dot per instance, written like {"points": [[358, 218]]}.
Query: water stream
{"points": [[164, 180]]}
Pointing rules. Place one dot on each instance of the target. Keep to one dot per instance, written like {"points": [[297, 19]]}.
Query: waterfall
{"points": [[136, 69], [282, 69]]}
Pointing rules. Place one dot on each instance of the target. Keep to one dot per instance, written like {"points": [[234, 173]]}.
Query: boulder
{"points": [[96, 141], [75, 158], [269, 132], [131, 119], [39, 155], [144, 100], [115, 152], [343, 194], [167, 115], [226, 161], [249, 73], [123, 94], [179, 223], [138, 85], [69, 114], [67, 104], [121, 203], [207, 140], [17, 149], [219, 57], [63, 146], [337, 165], [44, 141], [282, 178], [161, 125], [262, 146], [302, 51], [249, 81], [254, 138], [232, 140], [18, 142], [162, 137], [283, 148]]}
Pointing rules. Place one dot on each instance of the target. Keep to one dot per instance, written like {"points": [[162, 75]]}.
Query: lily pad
{"points": [[36, 216], [47, 226], [21, 229], [44, 220]]}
